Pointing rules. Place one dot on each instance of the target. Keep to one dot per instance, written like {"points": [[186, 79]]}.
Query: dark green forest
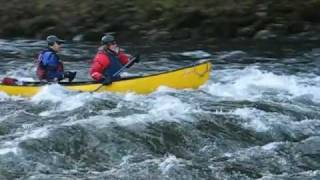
{"points": [[160, 20]]}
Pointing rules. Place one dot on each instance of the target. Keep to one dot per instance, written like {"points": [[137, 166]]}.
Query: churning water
{"points": [[256, 118]]}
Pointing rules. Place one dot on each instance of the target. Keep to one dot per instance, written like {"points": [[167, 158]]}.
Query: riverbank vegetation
{"points": [[161, 20]]}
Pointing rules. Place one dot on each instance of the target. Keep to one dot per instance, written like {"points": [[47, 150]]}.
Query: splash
{"points": [[169, 163], [64, 99], [11, 146], [251, 84]]}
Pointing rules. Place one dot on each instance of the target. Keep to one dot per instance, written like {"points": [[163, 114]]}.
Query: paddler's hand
{"points": [[133, 60], [70, 75], [106, 80]]}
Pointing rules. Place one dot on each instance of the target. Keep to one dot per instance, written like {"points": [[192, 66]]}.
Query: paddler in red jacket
{"points": [[108, 61]]}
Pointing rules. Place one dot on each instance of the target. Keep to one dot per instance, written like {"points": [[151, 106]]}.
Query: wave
{"points": [[251, 83]]}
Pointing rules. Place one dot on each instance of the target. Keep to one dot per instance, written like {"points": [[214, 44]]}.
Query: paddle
{"points": [[118, 72]]}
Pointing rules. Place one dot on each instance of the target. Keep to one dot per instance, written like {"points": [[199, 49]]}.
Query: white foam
{"points": [[8, 150], [12, 144], [65, 99], [133, 119], [132, 96], [125, 160], [28, 134], [168, 163], [271, 146], [158, 106], [164, 89], [311, 174], [99, 121], [153, 108], [308, 127], [4, 96], [262, 121], [254, 118], [251, 83], [36, 133], [54, 93], [154, 115], [170, 108], [102, 121]]}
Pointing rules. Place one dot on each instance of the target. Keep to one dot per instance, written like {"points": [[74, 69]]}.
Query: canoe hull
{"points": [[188, 77]]}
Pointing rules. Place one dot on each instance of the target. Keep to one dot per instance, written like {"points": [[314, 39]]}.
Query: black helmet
{"points": [[107, 39], [52, 39]]}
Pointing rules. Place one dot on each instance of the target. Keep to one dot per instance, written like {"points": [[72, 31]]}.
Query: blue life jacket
{"points": [[114, 67], [48, 61]]}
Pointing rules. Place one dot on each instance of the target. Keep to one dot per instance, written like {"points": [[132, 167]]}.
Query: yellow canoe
{"points": [[191, 76]]}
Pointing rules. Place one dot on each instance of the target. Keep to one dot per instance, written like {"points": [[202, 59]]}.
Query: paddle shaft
{"points": [[116, 73]]}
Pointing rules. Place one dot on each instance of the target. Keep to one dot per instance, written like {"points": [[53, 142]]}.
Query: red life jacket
{"points": [[41, 69], [41, 72], [60, 67], [114, 64]]}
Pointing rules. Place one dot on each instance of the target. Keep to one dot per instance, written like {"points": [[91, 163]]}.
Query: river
{"points": [[256, 118]]}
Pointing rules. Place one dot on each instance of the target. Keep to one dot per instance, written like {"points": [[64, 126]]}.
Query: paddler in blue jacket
{"points": [[49, 66]]}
